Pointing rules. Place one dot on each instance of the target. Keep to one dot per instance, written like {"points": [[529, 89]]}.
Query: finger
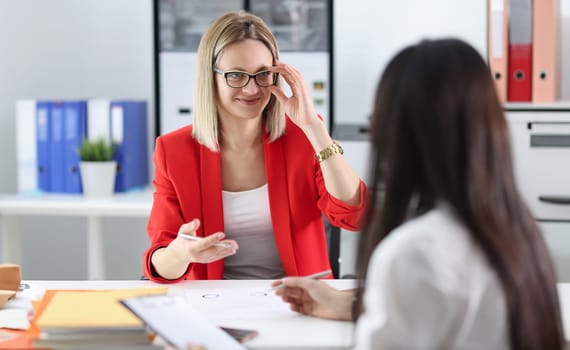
{"points": [[190, 227], [294, 282], [289, 77], [275, 283], [305, 308], [291, 300], [208, 242], [291, 73], [300, 308], [217, 240], [292, 295], [212, 239], [215, 251], [282, 66], [213, 254], [279, 94], [233, 244], [295, 293]]}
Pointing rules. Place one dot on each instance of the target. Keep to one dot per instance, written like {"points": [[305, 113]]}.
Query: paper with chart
{"points": [[239, 304]]}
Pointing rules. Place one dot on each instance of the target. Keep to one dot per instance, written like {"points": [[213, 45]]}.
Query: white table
{"points": [[136, 204], [299, 332]]}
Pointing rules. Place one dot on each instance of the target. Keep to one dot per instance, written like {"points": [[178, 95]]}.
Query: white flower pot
{"points": [[98, 178]]}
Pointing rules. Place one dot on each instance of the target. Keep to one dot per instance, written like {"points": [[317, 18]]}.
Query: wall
{"points": [[368, 33], [64, 49]]}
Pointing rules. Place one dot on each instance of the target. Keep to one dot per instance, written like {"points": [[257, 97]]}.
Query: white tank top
{"points": [[247, 220]]}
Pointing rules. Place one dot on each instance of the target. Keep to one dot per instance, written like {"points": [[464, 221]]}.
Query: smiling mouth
{"points": [[249, 101]]}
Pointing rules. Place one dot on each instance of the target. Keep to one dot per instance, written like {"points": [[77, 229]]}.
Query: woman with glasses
{"points": [[451, 257], [240, 194]]}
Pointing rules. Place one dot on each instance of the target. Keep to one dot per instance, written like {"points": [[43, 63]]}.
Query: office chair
{"points": [[333, 243]]}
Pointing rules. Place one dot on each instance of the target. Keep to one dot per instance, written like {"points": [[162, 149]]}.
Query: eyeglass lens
{"points": [[240, 79]]}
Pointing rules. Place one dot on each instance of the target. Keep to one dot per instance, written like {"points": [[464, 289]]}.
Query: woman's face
{"points": [[249, 56]]}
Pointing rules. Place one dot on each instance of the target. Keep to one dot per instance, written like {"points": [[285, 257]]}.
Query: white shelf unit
{"points": [[13, 207]]}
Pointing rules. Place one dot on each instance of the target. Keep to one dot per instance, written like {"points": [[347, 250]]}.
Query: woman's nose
{"points": [[251, 86]]}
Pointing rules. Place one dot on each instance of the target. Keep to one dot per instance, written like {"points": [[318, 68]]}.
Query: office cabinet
{"points": [[179, 25], [541, 153]]}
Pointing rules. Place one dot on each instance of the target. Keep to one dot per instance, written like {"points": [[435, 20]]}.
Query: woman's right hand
{"points": [[171, 262], [315, 298], [202, 251]]}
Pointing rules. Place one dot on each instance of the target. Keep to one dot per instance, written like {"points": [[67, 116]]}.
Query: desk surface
{"points": [[298, 332], [136, 204]]}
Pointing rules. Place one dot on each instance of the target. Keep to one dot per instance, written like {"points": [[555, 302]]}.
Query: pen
{"points": [[196, 238], [314, 276]]}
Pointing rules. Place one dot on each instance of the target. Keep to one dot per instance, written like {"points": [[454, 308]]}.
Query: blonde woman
{"points": [[253, 175]]}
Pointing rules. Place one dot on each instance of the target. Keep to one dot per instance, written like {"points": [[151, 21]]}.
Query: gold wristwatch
{"points": [[331, 150]]}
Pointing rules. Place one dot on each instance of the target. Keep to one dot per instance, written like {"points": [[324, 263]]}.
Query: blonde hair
{"points": [[230, 28]]}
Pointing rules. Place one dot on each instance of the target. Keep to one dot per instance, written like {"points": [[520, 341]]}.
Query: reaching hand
{"points": [[205, 250], [315, 298]]}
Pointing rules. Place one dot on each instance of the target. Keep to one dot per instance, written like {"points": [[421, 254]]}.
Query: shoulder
{"points": [[433, 246], [178, 135], [430, 234], [429, 278], [178, 146], [178, 138]]}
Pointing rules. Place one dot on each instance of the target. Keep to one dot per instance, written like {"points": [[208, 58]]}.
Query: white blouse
{"points": [[429, 286], [247, 220]]}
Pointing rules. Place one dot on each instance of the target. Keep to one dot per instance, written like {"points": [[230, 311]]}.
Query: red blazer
{"points": [[188, 185]]}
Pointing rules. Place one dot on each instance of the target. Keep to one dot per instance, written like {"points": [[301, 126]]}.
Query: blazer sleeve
{"points": [[339, 213], [165, 217]]}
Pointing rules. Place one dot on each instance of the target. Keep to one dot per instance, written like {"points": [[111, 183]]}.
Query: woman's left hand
{"points": [[299, 106]]}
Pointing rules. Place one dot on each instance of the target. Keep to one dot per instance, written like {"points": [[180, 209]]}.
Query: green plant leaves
{"points": [[96, 151]]}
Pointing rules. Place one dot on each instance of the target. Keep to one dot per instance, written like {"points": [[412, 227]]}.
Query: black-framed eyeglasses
{"points": [[239, 79]]}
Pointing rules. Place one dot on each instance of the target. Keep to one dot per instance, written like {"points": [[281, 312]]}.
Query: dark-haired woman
{"points": [[451, 257]]}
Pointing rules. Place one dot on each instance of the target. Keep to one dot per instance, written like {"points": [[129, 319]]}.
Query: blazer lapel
{"points": [[212, 205], [277, 186]]}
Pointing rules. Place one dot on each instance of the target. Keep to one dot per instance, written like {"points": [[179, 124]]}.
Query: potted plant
{"points": [[97, 167]]}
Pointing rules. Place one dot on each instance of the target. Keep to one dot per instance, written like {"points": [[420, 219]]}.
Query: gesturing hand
{"points": [[205, 250]]}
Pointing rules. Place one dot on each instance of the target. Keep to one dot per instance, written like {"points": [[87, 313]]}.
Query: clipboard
{"points": [[164, 314]]}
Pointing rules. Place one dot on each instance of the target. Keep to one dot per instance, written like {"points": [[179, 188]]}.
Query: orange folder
{"points": [[546, 55], [104, 302], [93, 309], [497, 40], [14, 339]]}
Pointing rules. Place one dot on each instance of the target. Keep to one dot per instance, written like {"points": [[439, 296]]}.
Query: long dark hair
{"points": [[439, 133]]}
